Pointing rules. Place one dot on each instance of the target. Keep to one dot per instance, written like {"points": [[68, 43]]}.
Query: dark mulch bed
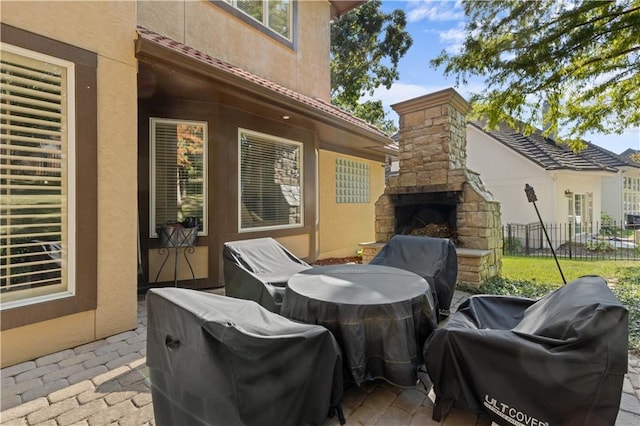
{"points": [[337, 260]]}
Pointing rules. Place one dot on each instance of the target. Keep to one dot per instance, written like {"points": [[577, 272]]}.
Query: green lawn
{"points": [[535, 277], [545, 270]]}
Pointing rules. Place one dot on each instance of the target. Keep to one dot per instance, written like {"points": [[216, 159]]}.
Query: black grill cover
{"points": [[216, 360], [558, 361], [258, 270], [434, 259]]}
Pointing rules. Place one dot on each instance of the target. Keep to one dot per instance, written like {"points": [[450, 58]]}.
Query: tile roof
{"points": [[232, 70], [628, 153], [551, 156]]}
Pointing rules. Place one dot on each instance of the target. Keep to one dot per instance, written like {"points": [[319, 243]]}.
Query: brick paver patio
{"points": [[105, 383]]}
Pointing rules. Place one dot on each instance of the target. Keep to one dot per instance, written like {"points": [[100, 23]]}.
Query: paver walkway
{"points": [[105, 383]]}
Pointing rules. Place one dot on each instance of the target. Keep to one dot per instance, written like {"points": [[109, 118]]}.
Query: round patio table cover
{"points": [[381, 316]]}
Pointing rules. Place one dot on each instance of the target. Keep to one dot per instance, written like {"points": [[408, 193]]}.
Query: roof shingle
{"points": [[552, 156]]}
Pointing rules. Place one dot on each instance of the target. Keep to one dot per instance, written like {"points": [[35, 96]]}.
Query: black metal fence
{"points": [[592, 241]]}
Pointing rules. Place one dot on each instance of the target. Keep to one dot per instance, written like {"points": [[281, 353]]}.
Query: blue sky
{"points": [[438, 25]]}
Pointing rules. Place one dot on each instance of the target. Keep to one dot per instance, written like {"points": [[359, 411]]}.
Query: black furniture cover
{"points": [[380, 316], [258, 270], [434, 259], [215, 360], [558, 361]]}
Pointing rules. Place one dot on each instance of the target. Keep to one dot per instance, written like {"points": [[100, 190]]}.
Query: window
{"points": [[581, 211], [37, 185], [276, 15], [631, 195], [352, 181], [270, 182], [178, 173], [48, 161]]}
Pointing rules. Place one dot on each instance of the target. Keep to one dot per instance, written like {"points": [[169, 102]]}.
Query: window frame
{"points": [[274, 139], [66, 287], [230, 7], [152, 175], [85, 166], [630, 195]]}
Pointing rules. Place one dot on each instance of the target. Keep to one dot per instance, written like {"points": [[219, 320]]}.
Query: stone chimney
{"points": [[434, 185], [432, 142]]}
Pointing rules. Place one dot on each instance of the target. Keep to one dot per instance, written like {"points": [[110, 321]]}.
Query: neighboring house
{"points": [[576, 188], [620, 193], [629, 153], [120, 117]]}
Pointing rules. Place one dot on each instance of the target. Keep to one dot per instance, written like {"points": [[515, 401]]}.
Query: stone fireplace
{"points": [[434, 194]]}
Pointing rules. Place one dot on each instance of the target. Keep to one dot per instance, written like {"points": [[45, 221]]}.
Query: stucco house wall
{"points": [[505, 174], [344, 225], [203, 25], [106, 28], [578, 183], [613, 194], [612, 197]]}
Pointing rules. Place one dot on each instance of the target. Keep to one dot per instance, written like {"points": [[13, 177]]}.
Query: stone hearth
{"points": [[434, 186]]}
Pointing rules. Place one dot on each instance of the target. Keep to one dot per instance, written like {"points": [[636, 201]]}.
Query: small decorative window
{"points": [[270, 182], [178, 173], [352, 181]]}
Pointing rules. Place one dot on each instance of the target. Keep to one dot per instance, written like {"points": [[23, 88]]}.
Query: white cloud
{"points": [[431, 10], [453, 38]]}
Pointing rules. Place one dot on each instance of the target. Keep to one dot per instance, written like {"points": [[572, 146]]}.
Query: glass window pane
{"points": [[273, 14], [178, 173], [270, 182], [35, 204], [279, 17], [631, 195], [352, 181], [252, 8]]}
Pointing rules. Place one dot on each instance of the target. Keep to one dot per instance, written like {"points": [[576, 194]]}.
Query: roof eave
{"points": [[153, 51], [340, 7]]}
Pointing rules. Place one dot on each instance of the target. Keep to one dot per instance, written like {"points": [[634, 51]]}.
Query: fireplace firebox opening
{"points": [[427, 214]]}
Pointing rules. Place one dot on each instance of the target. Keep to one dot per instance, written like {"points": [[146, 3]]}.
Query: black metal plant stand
{"points": [[174, 237]]}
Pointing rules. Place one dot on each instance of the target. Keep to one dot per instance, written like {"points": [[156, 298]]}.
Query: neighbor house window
{"points": [[178, 174], [581, 211], [276, 15], [631, 194], [270, 182], [352, 181], [37, 178]]}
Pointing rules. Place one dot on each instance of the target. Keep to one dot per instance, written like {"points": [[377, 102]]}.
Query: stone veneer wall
{"points": [[432, 155]]}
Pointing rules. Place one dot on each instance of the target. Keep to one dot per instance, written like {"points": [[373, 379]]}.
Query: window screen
{"points": [[270, 182]]}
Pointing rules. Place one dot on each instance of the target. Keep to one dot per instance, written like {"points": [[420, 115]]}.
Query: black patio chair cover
{"points": [[558, 361], [215, 360], [258, 270], [434, 259]]}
